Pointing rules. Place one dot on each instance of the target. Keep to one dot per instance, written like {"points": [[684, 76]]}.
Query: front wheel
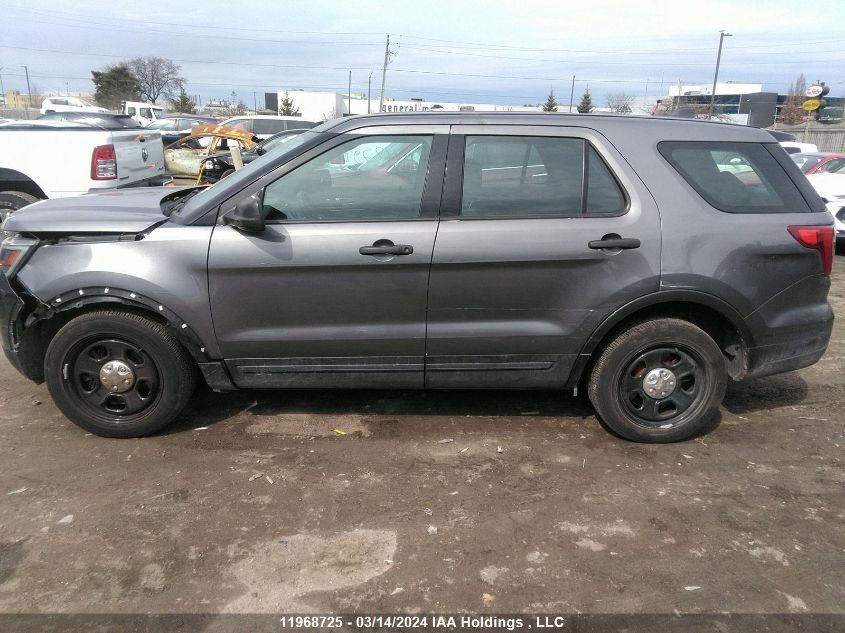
{"points": [[118, 374], [659, 381]]}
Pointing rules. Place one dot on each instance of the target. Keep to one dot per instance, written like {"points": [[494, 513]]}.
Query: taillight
{"points": [[104, 163], [818, 238]]}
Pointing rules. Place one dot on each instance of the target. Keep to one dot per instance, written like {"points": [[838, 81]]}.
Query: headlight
{"points": [[13, 252], [209, 164]]}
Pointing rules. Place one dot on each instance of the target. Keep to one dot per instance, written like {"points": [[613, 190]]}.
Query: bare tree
{"points": [[236, 106], [157, 77], [620, 102], [790, 112]]}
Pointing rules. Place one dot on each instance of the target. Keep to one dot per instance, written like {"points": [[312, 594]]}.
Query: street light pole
{"points": [[722, 36]]}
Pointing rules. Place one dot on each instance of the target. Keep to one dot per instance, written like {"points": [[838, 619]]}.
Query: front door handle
{"points": [[386, 249], [614, 242]]}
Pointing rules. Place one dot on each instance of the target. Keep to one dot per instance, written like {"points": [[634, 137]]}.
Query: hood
{"points": [[123, 211]]}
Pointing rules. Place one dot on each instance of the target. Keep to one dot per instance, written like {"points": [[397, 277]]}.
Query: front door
{"points": [[333, 292], [545, 231]]}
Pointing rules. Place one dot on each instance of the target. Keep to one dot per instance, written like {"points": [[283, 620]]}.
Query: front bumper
{"points": [[11, 306]]}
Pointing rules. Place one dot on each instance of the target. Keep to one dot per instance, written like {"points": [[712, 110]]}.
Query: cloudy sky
{"points": [[487, 51]]}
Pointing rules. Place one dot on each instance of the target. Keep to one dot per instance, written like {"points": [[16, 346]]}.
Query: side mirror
{"points": [[247, 215]]}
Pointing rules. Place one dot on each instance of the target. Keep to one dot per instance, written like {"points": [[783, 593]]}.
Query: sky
{"points": [[490, 51]]}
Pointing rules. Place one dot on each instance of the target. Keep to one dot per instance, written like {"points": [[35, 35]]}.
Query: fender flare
{"points": [[92, 296], [693, 297]]}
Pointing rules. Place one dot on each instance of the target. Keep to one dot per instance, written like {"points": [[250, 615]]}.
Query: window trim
{"points": [[429, 201], [453, 196]]}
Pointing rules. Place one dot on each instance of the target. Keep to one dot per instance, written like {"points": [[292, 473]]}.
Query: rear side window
{"points": [[268, 126], [525, 176], [735, 177]]}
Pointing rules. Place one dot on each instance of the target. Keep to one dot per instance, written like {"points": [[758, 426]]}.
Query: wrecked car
{"points": [[187, 156]]}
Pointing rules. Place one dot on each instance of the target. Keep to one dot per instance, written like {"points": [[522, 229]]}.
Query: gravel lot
{"points": [[428, 502]]}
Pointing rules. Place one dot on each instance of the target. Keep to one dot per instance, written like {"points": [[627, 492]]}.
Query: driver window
{"points": [[370, 178]]}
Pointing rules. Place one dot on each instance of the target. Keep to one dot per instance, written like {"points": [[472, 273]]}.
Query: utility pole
{"points": [[572, 93], [722, 36], [369, 91], [28, 89], [2, 90], [254, 103], [349, 94], [388, 57]]}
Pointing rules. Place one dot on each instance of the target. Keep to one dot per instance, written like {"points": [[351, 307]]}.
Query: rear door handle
{"points": [[608, 242], [387, 249]]}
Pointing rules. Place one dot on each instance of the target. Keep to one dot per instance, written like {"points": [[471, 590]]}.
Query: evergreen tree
{"points": [[287, 108], [183, 104], [551, 103], [114, 84], [586, 104]]}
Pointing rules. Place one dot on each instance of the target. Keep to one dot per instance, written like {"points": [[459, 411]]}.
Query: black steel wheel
{"points": [[118, 374], [659, 381]]}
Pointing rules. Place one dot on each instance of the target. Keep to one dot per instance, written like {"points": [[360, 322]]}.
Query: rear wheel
{"points": [[659, 381], [118, 374], [11, 201]]}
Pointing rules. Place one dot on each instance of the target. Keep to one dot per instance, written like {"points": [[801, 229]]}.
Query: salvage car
{"points": [[511, 251], [831, 187], [187, 156], [222, 164]]}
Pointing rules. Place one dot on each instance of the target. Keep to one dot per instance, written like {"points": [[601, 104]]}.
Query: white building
{"points": [[726, 88], [322, 106]]}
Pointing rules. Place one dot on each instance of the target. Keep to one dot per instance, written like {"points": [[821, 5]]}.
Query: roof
{"points": [[649, 126]]}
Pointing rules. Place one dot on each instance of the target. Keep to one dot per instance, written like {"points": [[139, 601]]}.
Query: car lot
{"points": [[253, 502]]}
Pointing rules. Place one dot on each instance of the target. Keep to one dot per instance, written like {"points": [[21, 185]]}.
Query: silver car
{"points": [[628, 256]]}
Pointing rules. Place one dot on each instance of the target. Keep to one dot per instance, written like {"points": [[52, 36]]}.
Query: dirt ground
{"points": [[428, 502]]}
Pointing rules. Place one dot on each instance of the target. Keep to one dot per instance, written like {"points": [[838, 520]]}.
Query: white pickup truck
{"points": [[39, 161]]}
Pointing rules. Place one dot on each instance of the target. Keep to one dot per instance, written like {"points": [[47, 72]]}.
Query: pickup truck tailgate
{"points": [[140, 155]]}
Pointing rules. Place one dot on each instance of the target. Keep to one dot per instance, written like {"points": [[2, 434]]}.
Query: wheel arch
{"points": [[13, 180], [43, 321], [716, 317]]}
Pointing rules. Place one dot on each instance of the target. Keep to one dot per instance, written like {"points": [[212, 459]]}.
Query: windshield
{"points": [[245, 175]]}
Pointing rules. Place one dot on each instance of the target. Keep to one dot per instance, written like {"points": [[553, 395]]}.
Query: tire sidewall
{"points": [[158, 414], [690, 339]]}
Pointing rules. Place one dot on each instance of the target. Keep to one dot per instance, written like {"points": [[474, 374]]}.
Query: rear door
{"points": [[333, 292], [544, 232]]}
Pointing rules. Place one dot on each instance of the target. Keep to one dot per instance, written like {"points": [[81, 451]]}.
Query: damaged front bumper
{"points": [[12, 310]]}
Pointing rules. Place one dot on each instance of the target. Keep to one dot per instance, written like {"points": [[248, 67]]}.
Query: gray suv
{"points": [[649, 260]]}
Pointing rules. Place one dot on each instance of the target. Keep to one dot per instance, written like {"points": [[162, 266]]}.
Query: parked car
{"points": [[265, 126], [792, 147], [509, 251], [220, 165], [831, 187], [173, 128], [68, 104], [820, 162], [106, 121], [55, 159], [143, 113]]}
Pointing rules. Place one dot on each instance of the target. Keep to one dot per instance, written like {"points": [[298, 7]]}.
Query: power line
{"points": [[458, 43]]}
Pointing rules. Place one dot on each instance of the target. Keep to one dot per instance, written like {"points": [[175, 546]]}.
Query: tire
{"points": [[687, 401], [11, 201], [228, 172], [162, 374]]}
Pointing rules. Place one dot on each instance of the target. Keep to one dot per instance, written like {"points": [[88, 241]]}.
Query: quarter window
{"points": [[268, 126], [522, 176], [336, 187], [735, 177]]}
